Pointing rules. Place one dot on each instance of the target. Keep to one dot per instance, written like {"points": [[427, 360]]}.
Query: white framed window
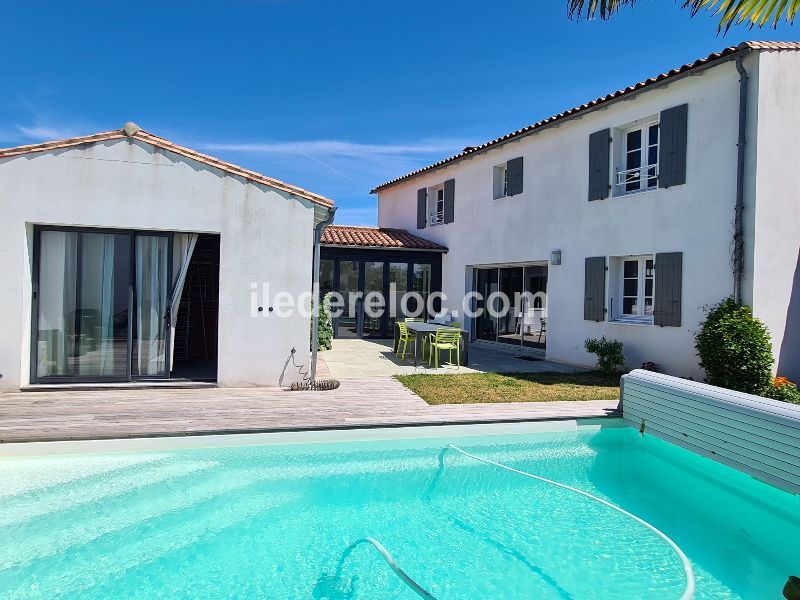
{"points": [[500, 178], [636, 286], [436, 205], [637, 159]]}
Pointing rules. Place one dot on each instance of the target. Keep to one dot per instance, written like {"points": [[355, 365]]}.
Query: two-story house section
{"points": [[631, 213]]}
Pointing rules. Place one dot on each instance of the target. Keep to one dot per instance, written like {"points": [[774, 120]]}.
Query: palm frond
{"points": [[589, 9], [755, 13]]}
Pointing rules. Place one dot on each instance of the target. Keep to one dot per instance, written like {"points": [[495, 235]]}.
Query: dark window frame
{"points": [[35, 286]]}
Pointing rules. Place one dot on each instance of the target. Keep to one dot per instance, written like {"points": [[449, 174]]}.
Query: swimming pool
{"points": [[275, 520]]}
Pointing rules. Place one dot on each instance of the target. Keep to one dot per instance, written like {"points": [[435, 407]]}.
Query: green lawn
{"points": [[511, 387]]}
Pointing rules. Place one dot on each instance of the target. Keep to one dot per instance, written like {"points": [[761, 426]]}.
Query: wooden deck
{"points": [[124, 413]]}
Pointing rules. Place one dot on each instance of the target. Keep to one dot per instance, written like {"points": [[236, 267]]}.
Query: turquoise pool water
{"points": [[273, 521]]}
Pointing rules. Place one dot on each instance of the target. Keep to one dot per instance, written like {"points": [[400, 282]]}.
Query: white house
{"points": [[126, 257], [625, 210]]}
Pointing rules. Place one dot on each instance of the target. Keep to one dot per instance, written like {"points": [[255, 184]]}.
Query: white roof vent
{"points": [[130, 128]]}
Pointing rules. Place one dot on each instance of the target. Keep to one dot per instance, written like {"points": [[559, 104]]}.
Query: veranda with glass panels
{"points": [[355, 273]]}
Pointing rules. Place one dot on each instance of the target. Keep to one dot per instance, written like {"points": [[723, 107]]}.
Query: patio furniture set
{"points": [[436, 337]]}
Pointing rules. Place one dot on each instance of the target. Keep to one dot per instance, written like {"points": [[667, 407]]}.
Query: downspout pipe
{"points": [[315, 290], [738, 221]]}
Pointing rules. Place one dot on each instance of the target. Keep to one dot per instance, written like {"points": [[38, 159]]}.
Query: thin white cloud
{"points": [[44, 132]]}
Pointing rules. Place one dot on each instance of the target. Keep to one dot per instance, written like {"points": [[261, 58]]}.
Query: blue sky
{"points": [[332, 96]]}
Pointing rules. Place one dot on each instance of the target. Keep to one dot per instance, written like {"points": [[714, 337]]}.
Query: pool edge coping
{"points": [[299, 435]]}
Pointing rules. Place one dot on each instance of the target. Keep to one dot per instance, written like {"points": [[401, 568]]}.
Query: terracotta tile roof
{"points": [[134, 132], [376, 237], [700, 63]]}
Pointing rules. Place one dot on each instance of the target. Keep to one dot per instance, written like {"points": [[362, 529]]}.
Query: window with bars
{"points": [[638, 168], [436, 208]]}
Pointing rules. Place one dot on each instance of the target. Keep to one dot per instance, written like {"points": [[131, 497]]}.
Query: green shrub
{"points": [[609, 355], [734, 348], [782, 389], [325, 325]]}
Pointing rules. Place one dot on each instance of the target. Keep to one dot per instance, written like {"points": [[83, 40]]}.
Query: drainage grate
{"points": [[530, 358]]}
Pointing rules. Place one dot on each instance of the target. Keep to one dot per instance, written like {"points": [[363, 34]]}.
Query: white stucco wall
{"points": [[553, 213], [776, 259], [265, 236]]}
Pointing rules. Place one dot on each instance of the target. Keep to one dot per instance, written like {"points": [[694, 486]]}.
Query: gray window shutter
{"points": [[594, 294], [668, 282], [514, 175], [672, 151], [599, 157], [422, 208], [449, 200]]}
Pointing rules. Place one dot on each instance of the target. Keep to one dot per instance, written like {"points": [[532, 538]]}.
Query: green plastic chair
{"points": [[445, 339], [405, 337], [429, 338]]}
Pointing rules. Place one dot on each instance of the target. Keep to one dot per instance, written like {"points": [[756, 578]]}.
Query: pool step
{"points": [[21, 508], [113, 559]]}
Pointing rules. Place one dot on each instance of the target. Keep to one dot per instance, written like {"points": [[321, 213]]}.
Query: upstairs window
{"points": [[501, 181], [647, 154], [508, 178], [436, 205], [637, 159]]}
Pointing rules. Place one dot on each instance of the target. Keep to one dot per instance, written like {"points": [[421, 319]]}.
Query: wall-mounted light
{"points": [[555, 257]]}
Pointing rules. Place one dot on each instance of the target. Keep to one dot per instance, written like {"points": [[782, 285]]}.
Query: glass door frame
{"points": [[498, 268], [362, 315], [34, 331], [337, 272]]}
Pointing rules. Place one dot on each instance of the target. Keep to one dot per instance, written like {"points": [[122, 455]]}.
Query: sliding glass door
{"points": [[83, 299], [150, 309], [101, 309], [101, 343], [512, 305]]}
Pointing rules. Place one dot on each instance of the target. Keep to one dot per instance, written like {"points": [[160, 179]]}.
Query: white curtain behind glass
{"points": [[182, 250], [97, 356], [152, 261], [58, 252]]}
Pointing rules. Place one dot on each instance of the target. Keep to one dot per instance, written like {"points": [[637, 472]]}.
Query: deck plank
{"points": [[374, 401]]}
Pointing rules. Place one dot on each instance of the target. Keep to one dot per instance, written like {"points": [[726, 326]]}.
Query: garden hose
{"points": [[306, 384]]}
